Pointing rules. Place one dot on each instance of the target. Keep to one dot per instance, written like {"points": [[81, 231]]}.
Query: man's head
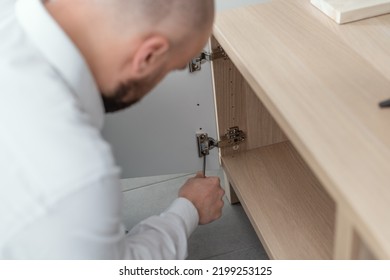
{"points": [[130, 45]]}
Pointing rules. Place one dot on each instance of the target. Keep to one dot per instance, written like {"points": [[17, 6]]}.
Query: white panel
{"points": [[343, 11], [157, 136]]}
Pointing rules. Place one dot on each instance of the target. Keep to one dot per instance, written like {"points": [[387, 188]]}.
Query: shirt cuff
{"points": [[184, 208]]}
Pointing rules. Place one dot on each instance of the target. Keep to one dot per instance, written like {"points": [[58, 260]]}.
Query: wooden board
{"points": [[291, 212], [238, 105], [343, 11]]}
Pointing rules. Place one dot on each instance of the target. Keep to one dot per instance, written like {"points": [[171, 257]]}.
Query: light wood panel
{"points": [[343, 11], [323, 90], [229, 191], [238, 105], [348, 244], [229, 93], [364, 253], [346, 240], [368, 38], [289, 209]]}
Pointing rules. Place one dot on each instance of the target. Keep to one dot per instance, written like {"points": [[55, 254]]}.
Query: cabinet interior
{"points": [[291, 212]]}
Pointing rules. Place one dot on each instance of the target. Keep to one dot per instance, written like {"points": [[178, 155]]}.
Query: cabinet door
{"points": [[157, 136]]}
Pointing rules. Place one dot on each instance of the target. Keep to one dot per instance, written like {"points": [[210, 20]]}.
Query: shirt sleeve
{"points": [[88, 225], [164, 236]]}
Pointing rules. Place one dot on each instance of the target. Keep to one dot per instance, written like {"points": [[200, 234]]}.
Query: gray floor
{"points": [[229, 238]]}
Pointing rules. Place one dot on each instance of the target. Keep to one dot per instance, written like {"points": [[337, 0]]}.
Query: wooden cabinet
{"points": [[314, 172]]}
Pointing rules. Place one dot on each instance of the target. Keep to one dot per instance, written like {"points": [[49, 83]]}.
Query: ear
{"points": [[151, 53]]}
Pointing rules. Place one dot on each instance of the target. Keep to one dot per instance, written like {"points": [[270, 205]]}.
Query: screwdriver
{"points": [[204, 165]]}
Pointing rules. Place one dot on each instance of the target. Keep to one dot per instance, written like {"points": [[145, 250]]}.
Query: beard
{"points": [[129, 93], [114, 102]]}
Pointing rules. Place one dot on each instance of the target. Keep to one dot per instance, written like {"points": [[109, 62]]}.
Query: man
{"points": [[61, 64]]}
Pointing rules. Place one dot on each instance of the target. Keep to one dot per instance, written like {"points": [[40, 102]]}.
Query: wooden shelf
{"points": [[289, 209]]}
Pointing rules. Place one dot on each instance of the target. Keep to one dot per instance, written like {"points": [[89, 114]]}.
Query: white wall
{"points": [[157, 136], [230, 4]]}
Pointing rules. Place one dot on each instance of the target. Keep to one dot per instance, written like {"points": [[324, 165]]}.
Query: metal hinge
{"points": [[232, 138], [196, 63]]}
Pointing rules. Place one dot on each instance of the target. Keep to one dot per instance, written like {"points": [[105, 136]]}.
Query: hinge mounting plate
{"points": [[196, 63], [232, 138]]}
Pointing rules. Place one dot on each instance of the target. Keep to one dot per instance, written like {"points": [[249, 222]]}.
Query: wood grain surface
{"points": [[293, 215]]}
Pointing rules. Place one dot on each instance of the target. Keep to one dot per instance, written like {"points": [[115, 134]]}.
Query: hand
{"points": [[206, 194]]}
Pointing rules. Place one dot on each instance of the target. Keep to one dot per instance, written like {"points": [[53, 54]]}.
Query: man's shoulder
{"points": [[48, 133], [46, 127], [32, 90]]}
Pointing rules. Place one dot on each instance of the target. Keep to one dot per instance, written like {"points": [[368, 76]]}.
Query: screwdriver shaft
{"points": [[204, 165]]}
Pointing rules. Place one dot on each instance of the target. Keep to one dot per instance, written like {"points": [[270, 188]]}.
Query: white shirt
{"points": [[60, 193]]}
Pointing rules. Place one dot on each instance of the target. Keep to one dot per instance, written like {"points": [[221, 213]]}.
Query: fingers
{"points": [[207, 196], [199, 174], [218, 208], [213, 213]]}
